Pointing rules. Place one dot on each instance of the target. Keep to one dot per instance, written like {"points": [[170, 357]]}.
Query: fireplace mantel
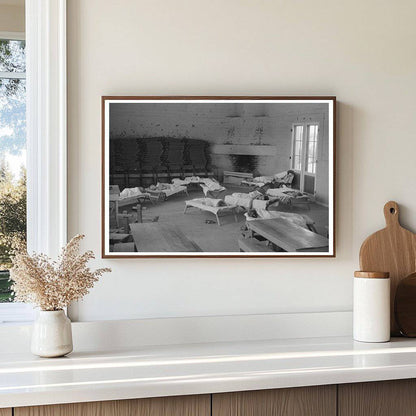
{"points": [[244, 149]]}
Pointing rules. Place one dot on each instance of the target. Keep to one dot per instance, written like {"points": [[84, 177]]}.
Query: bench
{"points": [[234, 178]]}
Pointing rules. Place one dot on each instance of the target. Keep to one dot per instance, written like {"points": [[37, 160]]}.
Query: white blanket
{"points": [[167, 188], [130, 192], [210, 202], [241, 200], [212, 184], [186, 181], [209, 182], [281, 177]]}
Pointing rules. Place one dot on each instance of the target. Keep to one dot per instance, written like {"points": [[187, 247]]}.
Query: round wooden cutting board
{"points": [[392, 250]]}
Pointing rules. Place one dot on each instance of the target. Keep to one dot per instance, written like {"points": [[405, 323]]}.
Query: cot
{"points": [[218, 211], [290, 196], [131, 196], [284, 178], [164, 191], [249, 200], [210, 187], [128, 196]]}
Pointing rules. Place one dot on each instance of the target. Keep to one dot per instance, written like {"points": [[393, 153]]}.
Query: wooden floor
{"points": [[201, 227], [161, 237]]}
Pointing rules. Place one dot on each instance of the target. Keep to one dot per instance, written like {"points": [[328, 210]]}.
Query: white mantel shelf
{"points": [[200, 368]]}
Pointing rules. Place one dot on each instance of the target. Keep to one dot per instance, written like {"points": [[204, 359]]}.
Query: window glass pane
{"points": [[13, 121], [12, 56], [297, 151], [298, 147], [311, 165], [299, 132], [311, 132], [12, 156], [312, 148]]}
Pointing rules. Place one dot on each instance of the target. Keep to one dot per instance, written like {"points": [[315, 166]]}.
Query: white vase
{"points": [[52, 334]]}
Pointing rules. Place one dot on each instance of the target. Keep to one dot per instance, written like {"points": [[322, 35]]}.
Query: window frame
{"points": [[12, 35], [46, 140], [304, 153]]}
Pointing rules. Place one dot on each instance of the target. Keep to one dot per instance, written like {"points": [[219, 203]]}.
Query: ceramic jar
{"points": [[371, 309], [52, 334]]}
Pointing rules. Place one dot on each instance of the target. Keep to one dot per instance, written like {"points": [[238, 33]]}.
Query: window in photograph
{"points": [[312, 148], [298, 148]]}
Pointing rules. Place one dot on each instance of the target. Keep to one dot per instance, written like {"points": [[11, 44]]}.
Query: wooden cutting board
{"points": [[405, 306], [393, 250]]}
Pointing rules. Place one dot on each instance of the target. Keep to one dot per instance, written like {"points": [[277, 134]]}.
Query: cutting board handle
{"points": [[391, 213]]}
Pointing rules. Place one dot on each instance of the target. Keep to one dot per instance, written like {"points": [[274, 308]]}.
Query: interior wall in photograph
{"points": [[218, 177]]}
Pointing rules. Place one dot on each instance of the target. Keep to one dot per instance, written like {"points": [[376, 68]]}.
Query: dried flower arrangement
{"points": [[52, 285]]}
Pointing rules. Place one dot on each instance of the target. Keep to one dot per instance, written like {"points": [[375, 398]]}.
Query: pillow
{"points": [[264, 179], [281, 175]]}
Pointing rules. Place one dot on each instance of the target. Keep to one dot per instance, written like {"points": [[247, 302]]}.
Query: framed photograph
{"points": [[218, 176]]}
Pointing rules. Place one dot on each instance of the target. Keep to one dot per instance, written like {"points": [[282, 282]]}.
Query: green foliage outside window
{"points": [[12, 155], [12, 223]]}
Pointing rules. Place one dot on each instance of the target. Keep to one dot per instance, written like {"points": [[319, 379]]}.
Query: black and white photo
{"points": [[218, 176]]}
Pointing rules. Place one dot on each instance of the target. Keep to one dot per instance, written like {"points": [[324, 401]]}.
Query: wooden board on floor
{"points": [[381, 398], [159, 237], [118, 236], [288, 236], [301, 401], [160, 406], [124, 247], [253, 245]]}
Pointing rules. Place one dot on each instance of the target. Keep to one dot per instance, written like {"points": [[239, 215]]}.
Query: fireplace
{"points": [[244, 163]]}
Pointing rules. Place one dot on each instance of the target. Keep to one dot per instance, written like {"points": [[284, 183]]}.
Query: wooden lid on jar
{"points": [[372, 275]]}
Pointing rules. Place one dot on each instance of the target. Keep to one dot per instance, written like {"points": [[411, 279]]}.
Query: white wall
{"points": [[361, 51]]}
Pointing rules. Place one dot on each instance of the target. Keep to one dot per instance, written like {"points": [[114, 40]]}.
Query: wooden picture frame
{"points": [[164, 157]]}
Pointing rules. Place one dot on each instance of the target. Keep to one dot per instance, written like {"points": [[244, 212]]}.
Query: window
{"points": [[298, 147], [311, 148], [12, 154], [305, 154], [305, 147], [44, 96]]}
